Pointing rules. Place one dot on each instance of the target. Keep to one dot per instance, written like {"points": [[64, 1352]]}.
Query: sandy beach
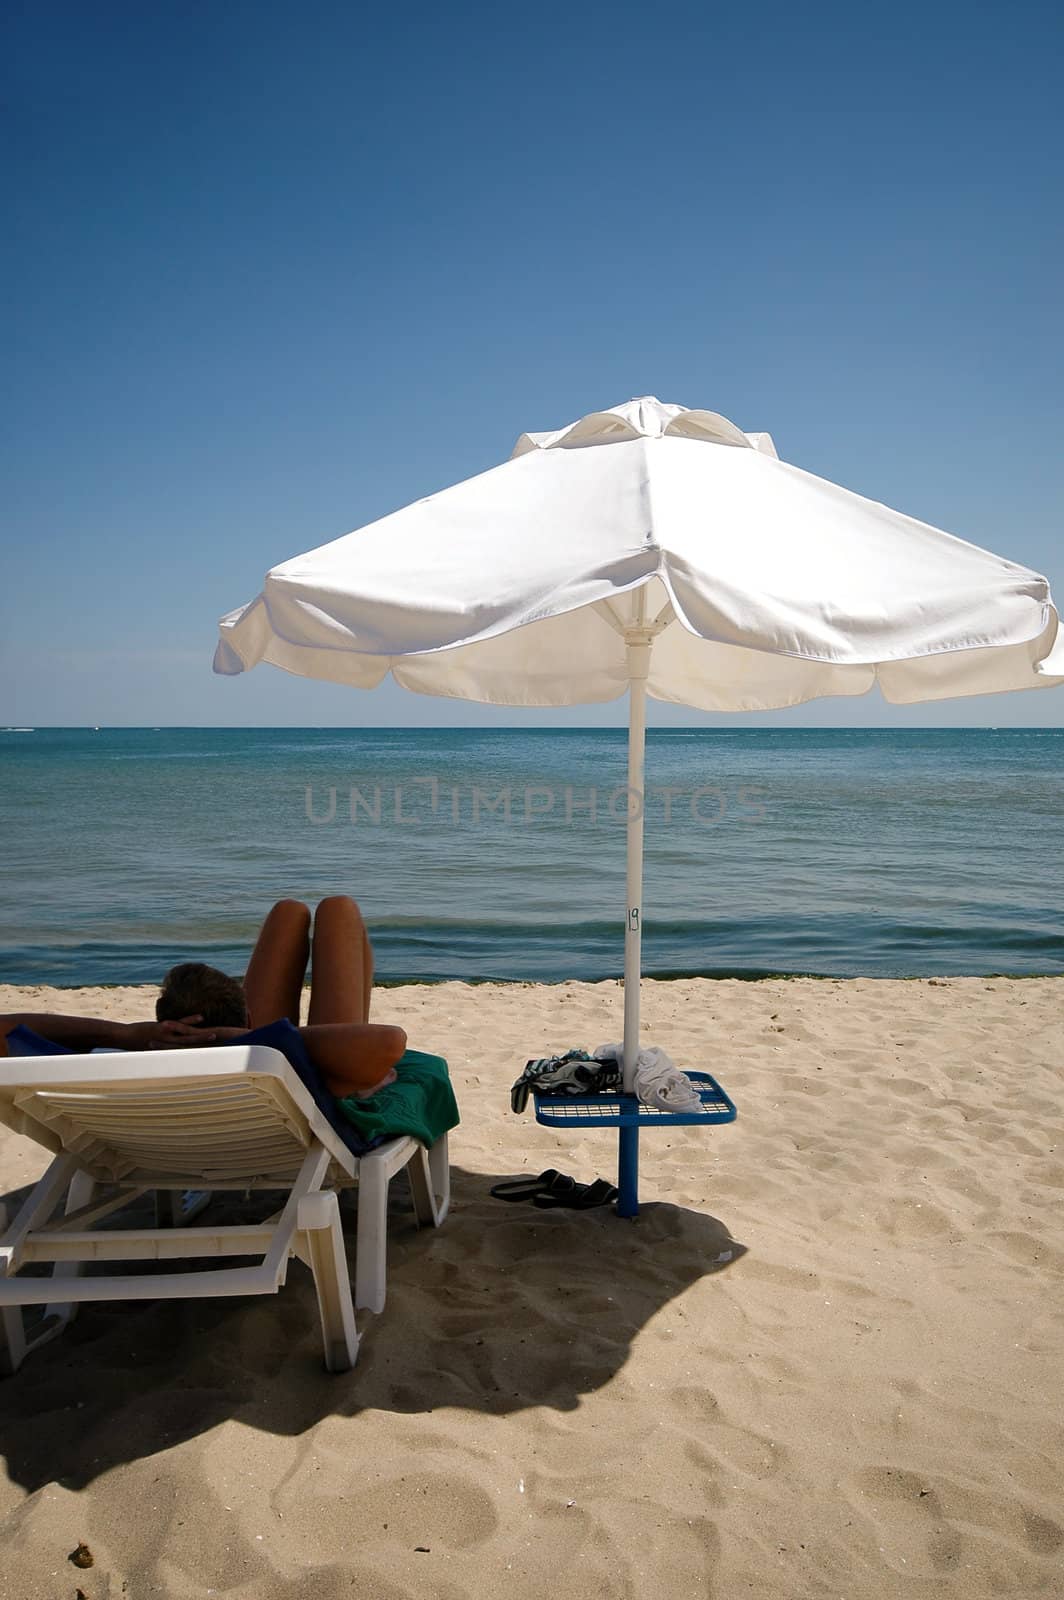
{"points": [[826, 1360]]}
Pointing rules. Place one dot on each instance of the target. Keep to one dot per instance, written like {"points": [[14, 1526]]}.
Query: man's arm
{"points": [[354, 1057], [82, 1034]]}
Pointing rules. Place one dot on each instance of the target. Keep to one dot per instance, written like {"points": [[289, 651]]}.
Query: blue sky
{"points": [[276, 269]]}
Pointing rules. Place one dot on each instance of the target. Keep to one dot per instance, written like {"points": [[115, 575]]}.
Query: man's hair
{"points": [[195, 990]]}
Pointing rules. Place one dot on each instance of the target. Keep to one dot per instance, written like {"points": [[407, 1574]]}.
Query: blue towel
{"points": [[22, 1041]]}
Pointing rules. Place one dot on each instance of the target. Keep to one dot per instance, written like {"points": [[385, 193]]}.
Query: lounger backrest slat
{"points": [[200, 1122]]}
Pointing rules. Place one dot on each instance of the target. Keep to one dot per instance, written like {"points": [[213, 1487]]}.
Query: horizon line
{"points": [[517, 727]]}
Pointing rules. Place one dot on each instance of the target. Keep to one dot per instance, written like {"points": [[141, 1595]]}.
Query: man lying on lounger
{"points": [[199, 1005]]}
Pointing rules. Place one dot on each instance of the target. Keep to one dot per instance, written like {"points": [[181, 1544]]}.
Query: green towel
{"points": [[420, 1102]]}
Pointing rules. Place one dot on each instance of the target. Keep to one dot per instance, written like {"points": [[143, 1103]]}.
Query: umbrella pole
{"points": [[638, 650]]}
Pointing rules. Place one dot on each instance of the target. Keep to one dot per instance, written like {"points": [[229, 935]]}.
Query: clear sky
{"points": [[276, 269]]}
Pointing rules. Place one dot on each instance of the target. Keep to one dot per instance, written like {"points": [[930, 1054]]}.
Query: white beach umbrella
{"points": [[657, 550]]}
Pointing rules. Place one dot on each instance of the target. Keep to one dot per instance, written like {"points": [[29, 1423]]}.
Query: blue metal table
{"points": [[627, 1114]]}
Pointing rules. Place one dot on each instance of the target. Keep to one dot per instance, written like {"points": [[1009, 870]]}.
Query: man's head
{"points": [[195, 990]]}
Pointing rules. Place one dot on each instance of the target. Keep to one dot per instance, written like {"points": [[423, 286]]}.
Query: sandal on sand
{"points": [[549, 1182], [582, 1197]]}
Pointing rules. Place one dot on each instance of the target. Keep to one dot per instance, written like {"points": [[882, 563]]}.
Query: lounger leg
{"points": [[63, 1174], [12, 1332], [371, 1237], [319, 1222], [417, 1169], [430, 1183], [79, 1194], [440, 1173]]}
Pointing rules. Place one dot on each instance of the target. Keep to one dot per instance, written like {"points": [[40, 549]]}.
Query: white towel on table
{"points": [[658, 1080]]}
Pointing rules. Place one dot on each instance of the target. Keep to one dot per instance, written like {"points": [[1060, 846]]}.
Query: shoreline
{"points": [[935, 979]]}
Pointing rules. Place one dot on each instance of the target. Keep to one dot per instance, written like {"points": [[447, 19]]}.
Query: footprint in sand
{"points": [[775, 1272], [1026, 1249], [718, 1442], [429, 1508], [907, 1219], [928, 1523]]}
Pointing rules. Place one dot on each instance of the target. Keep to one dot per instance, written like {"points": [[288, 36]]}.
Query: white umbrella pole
{"points": [[638, 648], [638, 666]]}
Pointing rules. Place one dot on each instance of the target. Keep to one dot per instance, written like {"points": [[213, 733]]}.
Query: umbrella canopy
{"points": [[516, 586], [658, 550]]}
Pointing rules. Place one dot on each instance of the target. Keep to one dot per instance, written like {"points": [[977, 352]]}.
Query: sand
{"points": [[827, 1360]]}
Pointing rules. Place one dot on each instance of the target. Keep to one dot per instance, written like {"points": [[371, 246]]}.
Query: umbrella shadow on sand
{"points": [[505, 1307]]}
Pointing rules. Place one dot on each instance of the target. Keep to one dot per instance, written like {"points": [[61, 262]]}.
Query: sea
{"points": [[500, 854]]}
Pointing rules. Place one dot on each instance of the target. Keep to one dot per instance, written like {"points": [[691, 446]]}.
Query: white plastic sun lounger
{"points": [[236, 1118]]}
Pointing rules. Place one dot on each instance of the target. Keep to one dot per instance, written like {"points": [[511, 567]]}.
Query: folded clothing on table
{"points": [[574, 1073], [658, 1081]]}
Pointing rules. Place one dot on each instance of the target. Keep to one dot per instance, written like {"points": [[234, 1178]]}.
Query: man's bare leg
{"points": [[273, 984], [342, 968]]}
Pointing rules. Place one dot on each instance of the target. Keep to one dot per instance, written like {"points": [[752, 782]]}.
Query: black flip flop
{"points": [[526, 1188], [583, 1197]]}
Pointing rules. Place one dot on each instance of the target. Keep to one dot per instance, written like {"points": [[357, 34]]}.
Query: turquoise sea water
{"points": [[830, 851]]}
